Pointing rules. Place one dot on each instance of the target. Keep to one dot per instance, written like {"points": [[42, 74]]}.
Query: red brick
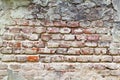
{"points": [[18, 44], [33, 58], [73, 24], [60, 23], [89, 30], [93, 37]]}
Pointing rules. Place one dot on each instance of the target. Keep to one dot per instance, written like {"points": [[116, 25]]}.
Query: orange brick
{"points": [[33, 58]]}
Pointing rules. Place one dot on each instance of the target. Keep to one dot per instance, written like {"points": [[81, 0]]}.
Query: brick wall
{"points": [[59, 40]]}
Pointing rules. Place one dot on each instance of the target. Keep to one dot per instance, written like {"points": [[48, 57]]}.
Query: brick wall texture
{"points": [[59, 39]]}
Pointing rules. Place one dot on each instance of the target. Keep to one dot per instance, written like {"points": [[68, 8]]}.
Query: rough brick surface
{"points": [[59, 40]]}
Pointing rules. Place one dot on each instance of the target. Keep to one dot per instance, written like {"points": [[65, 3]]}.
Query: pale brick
{"points": [[27, 44], [59, 58], [61, 50], [8, 58], [20, 36], [46, 50], [69, 37], [15, 66], [77, 31], [3, 66], [33, 37], [31, 50], [115, 72], [21, 58], [91, 44], [14, 30], [65, 30], [77, 44], [105, 38], [39, 44], [53, 44], [81, 37], [116, 59], [7, 50], [106, 58], [28, 30], [56, 36], [3, 72], [65, 44], [87, 50], [73, 51], [103, 44], [100, 51], [8, 36], [40, 30], [102, 30], [53, 30], [45, 37], [71, 59]]}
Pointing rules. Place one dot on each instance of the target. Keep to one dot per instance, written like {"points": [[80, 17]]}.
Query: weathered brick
{"points": [[114, 51], [18, 50], [46, 50], [33, 58], [65, 44], [3, 66], [56, 36], [45, 37], [33, 37], [39, 44], [53, 44], [71, 59], [21, 58], [77, 44], [35, 22], [17, 45], [87, 50], [65, 30], [3, 72], [81, 37], [103, 44], [31, 50], [60, 23], [61, 50], [20, 36], [103, 30], [91, 44], [57, 58], [69, 37], [97, 23], [84, 23], [48, 23], [100, 51], [53, 30], [40, 30], [8, 58], [89, 30], [28, 30], [22, 22], [116, 59], [8, 36], [93, 37], [106, 58], [73, 24], [14, 30], [27, 44], [105, 38], [115, 72], [7, 50], [15, 66], [77, 30], [73, 51]]}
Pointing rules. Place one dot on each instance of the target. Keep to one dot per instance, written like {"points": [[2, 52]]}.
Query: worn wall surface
{"points": [[59, 39]]}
